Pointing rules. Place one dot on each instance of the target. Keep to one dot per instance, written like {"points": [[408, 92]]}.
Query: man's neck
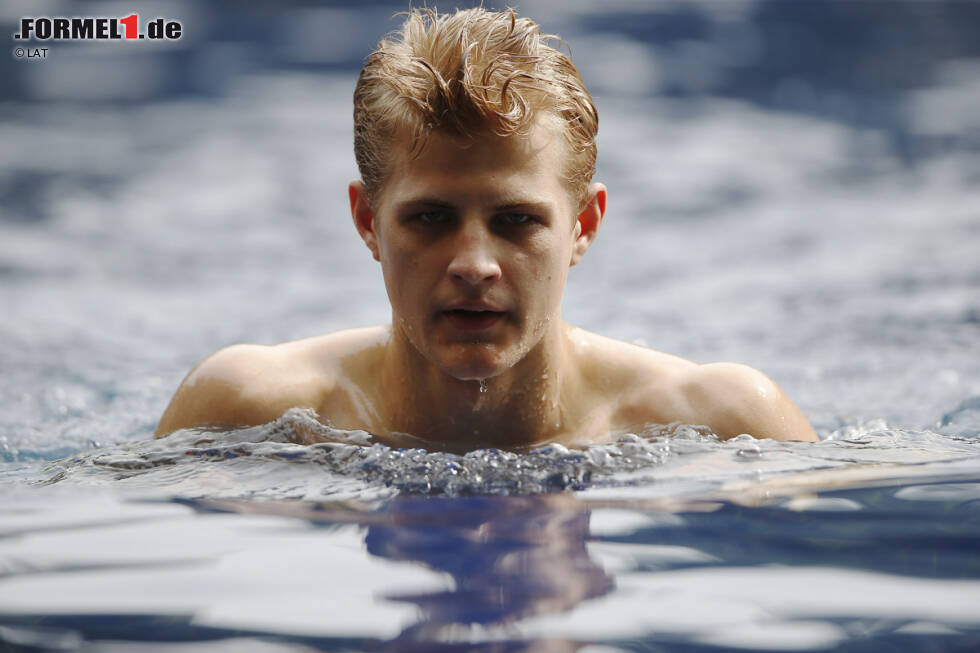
{"points": [[518, 408]]}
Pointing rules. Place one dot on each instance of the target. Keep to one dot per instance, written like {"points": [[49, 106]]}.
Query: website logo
{"points": [[102, 28]]}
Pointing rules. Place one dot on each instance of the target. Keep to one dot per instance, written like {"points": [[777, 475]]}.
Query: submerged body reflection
{"points": [[510, 557]]}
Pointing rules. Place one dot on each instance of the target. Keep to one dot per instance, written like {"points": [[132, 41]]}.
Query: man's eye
{"points": [[432, 217], [516, 218]]}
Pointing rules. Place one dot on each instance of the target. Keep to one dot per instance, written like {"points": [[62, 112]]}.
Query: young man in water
{"points": [[475, 142]]}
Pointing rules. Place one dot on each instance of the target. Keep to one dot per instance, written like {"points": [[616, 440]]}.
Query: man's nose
{"points": [[474, 260]]}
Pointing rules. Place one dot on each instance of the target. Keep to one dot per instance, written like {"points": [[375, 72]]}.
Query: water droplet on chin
{"points": [[483, 385]]}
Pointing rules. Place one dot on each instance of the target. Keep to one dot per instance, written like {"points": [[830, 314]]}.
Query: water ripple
{"points": [[270, 461]]}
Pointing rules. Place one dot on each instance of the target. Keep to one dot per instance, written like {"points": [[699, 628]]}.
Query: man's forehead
{"points": [[497, 199], [515, 188], [504, 170]]}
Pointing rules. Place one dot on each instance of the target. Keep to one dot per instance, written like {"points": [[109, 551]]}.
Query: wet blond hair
{"points": [[469, 73]]}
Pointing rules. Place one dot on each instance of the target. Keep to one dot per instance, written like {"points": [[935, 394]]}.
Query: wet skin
{"points": [[475, 239]]}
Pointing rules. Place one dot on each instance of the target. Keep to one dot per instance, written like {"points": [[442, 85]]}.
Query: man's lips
{"points": [[473, 305], [473, 316]]}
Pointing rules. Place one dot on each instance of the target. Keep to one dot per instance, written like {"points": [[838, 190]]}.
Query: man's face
{"points": [[475, 240]]}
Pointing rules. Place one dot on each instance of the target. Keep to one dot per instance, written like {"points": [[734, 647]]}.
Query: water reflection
{"points": [[509, 558], [506, 573]]}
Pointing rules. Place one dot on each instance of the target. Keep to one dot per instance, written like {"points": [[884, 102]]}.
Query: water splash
{"points": [[276, 460], [349, 458], [964, 420]]}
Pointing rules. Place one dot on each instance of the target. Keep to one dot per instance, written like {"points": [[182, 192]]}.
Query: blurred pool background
{"points": [[794, 184]]}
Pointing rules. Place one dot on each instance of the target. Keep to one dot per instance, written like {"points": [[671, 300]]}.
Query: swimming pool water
{"points": [[783, 192], [866, 540]]}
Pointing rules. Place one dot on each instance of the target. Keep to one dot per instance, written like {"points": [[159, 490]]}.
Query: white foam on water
{"points": [[672, 460]]}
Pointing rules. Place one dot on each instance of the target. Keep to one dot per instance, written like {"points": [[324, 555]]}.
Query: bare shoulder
{"points": [[628, 385], [247, 385], [651, 387], [624, 365], [736, 399]]}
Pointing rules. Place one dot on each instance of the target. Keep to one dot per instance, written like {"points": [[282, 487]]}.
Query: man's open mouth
{"points": [[473, 320]]}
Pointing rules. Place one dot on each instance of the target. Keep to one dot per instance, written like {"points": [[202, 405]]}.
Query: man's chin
{"points": [[472, 372], [480, 362]]}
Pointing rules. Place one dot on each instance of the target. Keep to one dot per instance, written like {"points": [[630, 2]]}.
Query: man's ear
{"points": [[360, 210], [588, 221]]}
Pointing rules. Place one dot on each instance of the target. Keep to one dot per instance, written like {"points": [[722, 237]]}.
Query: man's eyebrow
{"points": [[505, 204], [426, 201], [519, 205]]}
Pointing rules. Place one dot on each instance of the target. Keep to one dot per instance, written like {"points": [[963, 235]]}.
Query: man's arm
{"points": [[733, 399], [226, 389]]}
